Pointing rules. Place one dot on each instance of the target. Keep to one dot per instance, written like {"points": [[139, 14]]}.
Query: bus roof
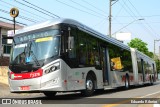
{"points": [[76, 23], [144, 56]]}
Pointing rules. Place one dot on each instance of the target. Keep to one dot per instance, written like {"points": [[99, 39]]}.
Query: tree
{"points": [[157, 63], [140, 46]]}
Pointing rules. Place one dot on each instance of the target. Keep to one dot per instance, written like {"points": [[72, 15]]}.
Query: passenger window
{"points": [[71, 43], [82, 51], [93, 53], [120, 59]]}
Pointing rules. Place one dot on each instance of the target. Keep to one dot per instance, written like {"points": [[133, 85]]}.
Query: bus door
{"points": [[104, 63], [143, 72]]}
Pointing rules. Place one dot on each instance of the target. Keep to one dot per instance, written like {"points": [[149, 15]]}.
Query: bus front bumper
{"points": [[49, 82]]}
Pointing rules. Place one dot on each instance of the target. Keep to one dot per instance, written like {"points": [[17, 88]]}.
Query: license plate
{"points": [[25, 88]]}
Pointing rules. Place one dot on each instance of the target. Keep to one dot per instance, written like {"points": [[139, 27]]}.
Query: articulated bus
{"points": [[63, 55]]}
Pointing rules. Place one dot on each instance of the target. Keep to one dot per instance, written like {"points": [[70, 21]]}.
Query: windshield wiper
{"points": [[34, 58], [33, 55]]}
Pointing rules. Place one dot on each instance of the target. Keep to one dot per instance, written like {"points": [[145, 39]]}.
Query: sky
{"points": [[94, 13]]}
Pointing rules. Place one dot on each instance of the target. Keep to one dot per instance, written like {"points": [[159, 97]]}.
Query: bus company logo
{"points": [[14, 76], [6, 101]]}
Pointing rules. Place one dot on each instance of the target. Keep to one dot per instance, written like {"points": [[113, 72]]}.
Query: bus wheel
{"points": [[89, 86], [127, 82], [151, 80], [49, 94]]}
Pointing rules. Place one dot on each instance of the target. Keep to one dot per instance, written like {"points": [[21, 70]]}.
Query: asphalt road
{"points": [[109, 98]]}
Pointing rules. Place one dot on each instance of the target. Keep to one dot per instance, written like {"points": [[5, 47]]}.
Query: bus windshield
{"points": [[35, 50]]}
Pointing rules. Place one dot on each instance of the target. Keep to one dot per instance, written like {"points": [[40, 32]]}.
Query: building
{"points": [[5, 47]]}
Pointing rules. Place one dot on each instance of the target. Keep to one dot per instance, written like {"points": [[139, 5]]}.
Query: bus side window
{"points": [[82, 51], [71, 43], [93, 52]]}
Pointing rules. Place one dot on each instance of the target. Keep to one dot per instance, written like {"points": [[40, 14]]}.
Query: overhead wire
{"points": [[127, 10], [26, 11], [88, 8], [144, 20], [22, 17], [35, 9], [41, 8], [142, 16], [101, 21], [122, 5], [78, 9], [94, 6], [134, 16], [118, 12], [12, 21]]}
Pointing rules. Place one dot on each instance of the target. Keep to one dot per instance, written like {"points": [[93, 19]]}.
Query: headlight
{"points": [[52, 68], [47, 71]]}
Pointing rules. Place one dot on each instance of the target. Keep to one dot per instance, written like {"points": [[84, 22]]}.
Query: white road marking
{"points": [[156, 105], [150, 94]]}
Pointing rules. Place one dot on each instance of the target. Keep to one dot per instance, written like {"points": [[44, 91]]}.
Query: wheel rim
{"points": [[89, 85]]}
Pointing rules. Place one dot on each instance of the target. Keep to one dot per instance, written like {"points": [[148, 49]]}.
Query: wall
{"points": [[3, 74], [4, 61]]}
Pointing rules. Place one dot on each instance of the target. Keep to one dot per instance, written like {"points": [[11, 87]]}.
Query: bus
{"points": [[63, 55]]}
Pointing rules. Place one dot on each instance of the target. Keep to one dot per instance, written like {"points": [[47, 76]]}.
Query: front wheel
{"points": [[90, 86], [49, 94]]}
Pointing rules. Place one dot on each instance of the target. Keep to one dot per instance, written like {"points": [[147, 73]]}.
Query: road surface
{"points": [[101, 99]]}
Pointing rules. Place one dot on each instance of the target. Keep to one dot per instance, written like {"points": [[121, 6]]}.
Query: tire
{"points": [[49, 94], [151, 80], [127, 83], [90, 86]]}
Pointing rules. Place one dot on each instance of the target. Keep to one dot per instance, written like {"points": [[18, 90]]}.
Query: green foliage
{"points": [[140, 46], [158, 65]]}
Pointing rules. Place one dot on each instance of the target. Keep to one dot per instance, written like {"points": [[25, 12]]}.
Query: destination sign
{"points": [[32, 36]]}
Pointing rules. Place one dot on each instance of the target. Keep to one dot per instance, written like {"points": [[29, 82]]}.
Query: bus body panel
{"points": [[34, 84], [142, 75], [118, 78], [77, 77], [134, 64]]}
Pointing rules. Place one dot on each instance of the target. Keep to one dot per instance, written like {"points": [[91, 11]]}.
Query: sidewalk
{"points": [[4, 80], [3, 75]]}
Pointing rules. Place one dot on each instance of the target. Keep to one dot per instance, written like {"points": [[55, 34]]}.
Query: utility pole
{"points": [[110, 16]]}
